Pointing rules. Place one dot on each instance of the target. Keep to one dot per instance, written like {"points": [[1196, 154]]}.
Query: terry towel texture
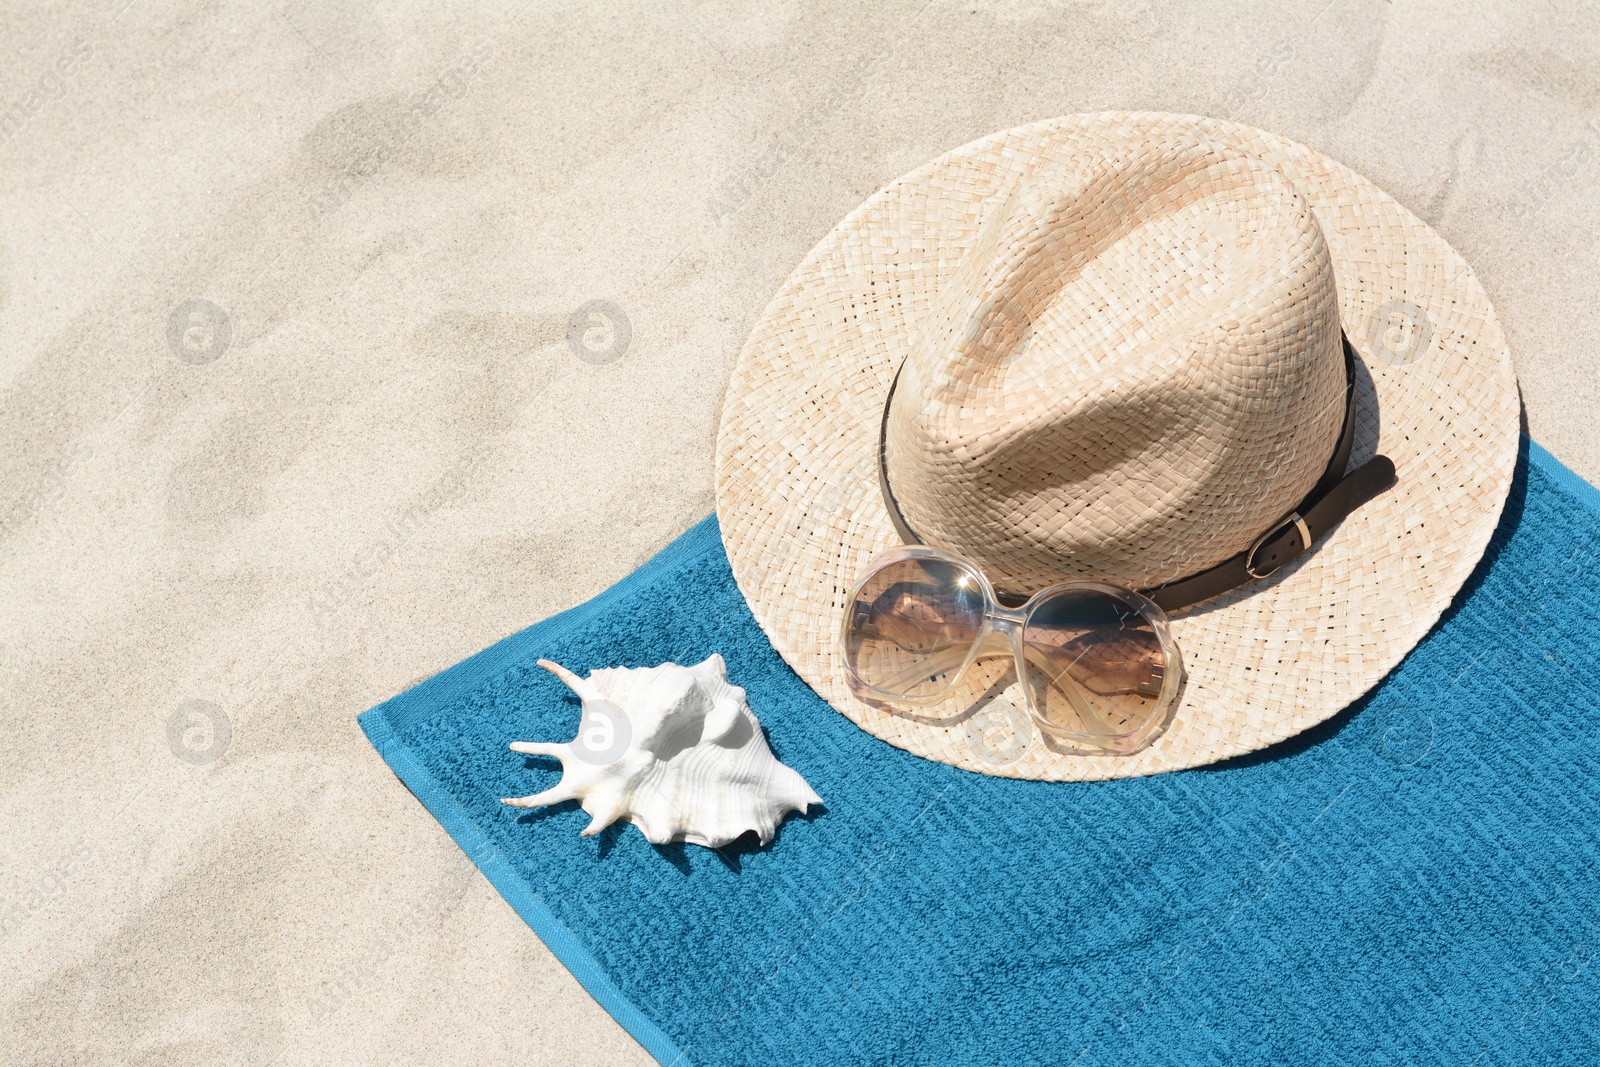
{"points": [[1414, 881]]}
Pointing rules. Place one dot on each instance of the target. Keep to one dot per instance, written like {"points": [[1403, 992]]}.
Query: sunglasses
{"points": [[1097, 663]]}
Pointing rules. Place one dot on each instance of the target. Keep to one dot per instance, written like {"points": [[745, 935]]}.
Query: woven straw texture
{"points": [[797, 493], [1134, 372]]}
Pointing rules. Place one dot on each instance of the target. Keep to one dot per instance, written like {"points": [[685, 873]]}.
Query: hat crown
{"points": [[1133, 373]]}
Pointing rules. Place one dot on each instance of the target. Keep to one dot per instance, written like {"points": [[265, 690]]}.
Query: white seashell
{"points": [[674, 750]]}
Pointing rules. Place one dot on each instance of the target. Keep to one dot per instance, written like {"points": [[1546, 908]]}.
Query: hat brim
{"points": [[797, 489]]}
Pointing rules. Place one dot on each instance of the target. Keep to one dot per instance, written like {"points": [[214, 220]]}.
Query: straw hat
{"points": [[1118, 342]]}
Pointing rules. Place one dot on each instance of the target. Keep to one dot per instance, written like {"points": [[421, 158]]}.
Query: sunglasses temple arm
{"points": [[1068, 684], [922, 672]]}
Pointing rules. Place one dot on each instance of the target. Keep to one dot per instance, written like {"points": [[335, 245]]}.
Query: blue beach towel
{"points": [[1414, 881]]}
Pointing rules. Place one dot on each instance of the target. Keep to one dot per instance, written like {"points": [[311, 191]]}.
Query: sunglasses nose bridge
{"points": [[1004, 618], [1001, 632]]}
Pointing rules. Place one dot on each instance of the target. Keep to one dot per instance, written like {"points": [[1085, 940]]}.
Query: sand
{"points": [[306, 397]]}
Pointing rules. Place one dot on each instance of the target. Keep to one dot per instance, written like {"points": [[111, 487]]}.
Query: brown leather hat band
{"points": [[1334, 497]]}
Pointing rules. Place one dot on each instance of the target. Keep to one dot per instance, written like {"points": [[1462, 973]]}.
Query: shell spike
{"points": [[542, 748], [585, 688], [601, 819], [554, 795]]}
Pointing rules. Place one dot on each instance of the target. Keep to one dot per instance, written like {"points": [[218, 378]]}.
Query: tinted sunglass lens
{"points": [[912, 625], [1098, 669]]}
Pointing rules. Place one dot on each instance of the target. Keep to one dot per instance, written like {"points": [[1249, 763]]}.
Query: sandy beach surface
{"points": [[338, 341]]}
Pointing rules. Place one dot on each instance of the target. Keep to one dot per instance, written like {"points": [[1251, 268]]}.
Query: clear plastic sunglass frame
{"points": [[1009, 626]]}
